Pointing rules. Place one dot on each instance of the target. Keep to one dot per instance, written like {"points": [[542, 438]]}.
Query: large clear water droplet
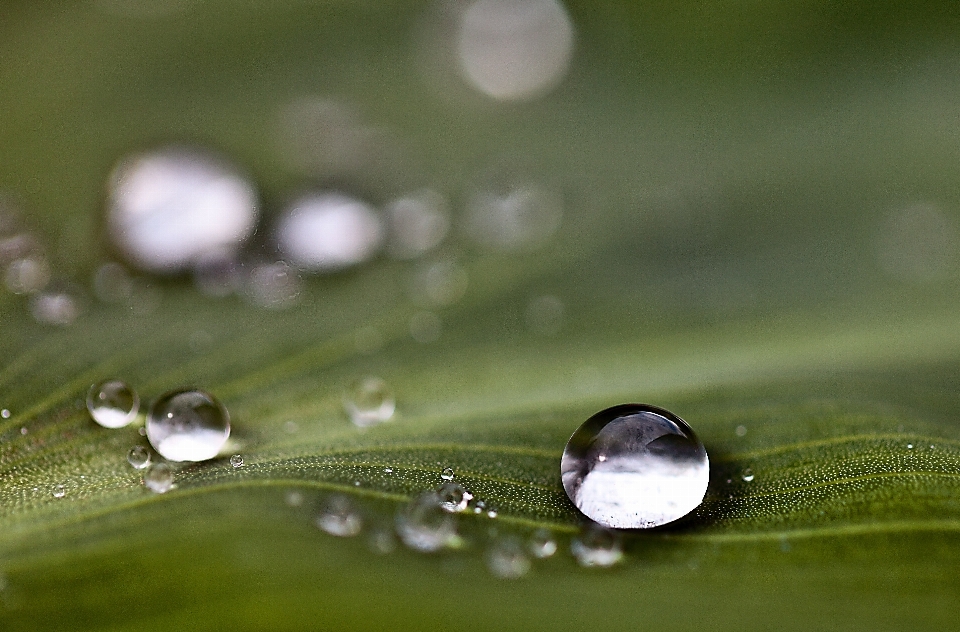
{"points": [[112, 403], [188, 425], [424, 526], [339, 518], [506, 559], [369, 402], [597, 546], [159, 478], [635, 466]]}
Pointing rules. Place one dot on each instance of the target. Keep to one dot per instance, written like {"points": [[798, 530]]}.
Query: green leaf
{"points": [[728, 186]]}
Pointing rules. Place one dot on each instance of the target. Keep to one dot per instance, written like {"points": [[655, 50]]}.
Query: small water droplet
{"points": [[748, 475], [542, 544], [57, 305], [506, 558], [27, 275], [112, 403], [479, 507], [139, 457], [339, 518], [188, 425], [597, 546], [291, 427], [325, 232], [382, 541], [909, 446], [656, 470], [453, 497], [388, 470], [236, 461], [293, 498], [511, 214], [159, 478], [741, 431], [418, 223], [273, 285], [24, 431], [424, 526], [5, 413], [369, 402], [356, 483], [438, 283], [492, 513], [59, 491], [447, 474]]}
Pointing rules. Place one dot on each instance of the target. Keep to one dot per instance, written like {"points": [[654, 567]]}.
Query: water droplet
{"points": [[5, 413], [542, 544], [382, 541], [170, 207], [479, 507], [438, 283], [447, 474], [326, 232], [369, 402], [425, 327], [273, 285], [453, 497], [59, 491], [139, 457], [597, 546], [236, 461], [909, 446], [656, 470], [506, 559], [424, 526], [293, 498], [24, 431], [159, 478], [492, 513], [339, 518], [514, 49], [748, 475], [27, 275], [741, 431], [388, 470], [188, 425], [55, 306], [112, 403], [418, 223], [512, 215], [545, 315]]}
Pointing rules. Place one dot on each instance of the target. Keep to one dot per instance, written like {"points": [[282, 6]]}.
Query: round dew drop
{"points": [[453, 497], [506, 559], [159, 478], [542, 544], [597, 547], [139, 457], [339, 518], [369, 402], [188, 425], [447, 474], [635, 466], [112, 403], [424, 526], [236, 461]]}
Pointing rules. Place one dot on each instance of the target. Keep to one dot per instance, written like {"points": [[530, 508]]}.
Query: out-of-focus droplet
{"points": [[5, 413], [453, 497], [382, 541], [918, 244], [507, 559], [188, 425], [338, 517], [59, 491], [139, 457], [514, 49], [635, 466], [419, 222], [293, 498], [19, 245], [368, 402], [741, 431], [423, 526], [510, 214], [159, 478], [438, 283], [59, 305], [27, 275], [273, 285], [597, 547], [425, 327], [326, 232], [218, 273], [748, 475], [236, 461], [112, 403], [545, 315], [542, 544], [169, 207]]}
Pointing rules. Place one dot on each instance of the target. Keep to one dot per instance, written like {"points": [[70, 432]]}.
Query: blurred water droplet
{"points": [[492, 513], [447, 474], [479, 506], [382, 541], [909, 446], [24, 431], [5, 413], [326, 232], [425, 327], [453, 497], [542, 544], [218, 273], [339, 518], [59, 491], [748, 475], [139, 457], [58, 306], [423, 526], [438, 283], [388, 470], [169, 207], [507, 559], [273, 285], [545, 315], [419, 222], [112, 403], [654, 470], [514, 49], [596, 546], [236, 461], [188, 425], [369, 402], [507, 214], [27, 275], [741, 431], [293, 498], [159, 478]]}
